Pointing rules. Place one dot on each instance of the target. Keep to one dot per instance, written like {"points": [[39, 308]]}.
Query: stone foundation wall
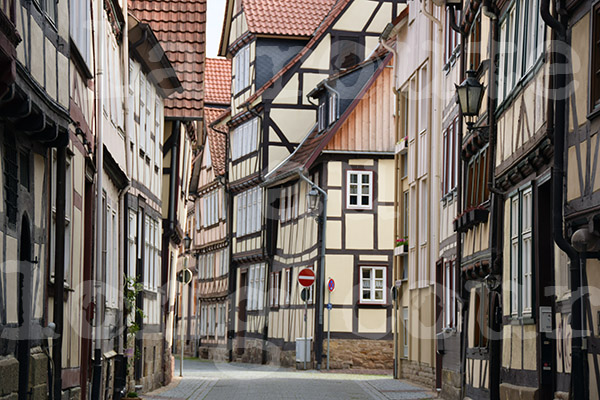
{"points": [[38, 376], [510, 392], [153, 357], [451, 381], [213, 353], [419, 373], [360, 353]]}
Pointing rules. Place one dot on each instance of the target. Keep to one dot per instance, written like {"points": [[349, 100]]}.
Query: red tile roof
{"points": [[331, 17], [216, 140], [285, 17], [180, 27], [217, 84]]}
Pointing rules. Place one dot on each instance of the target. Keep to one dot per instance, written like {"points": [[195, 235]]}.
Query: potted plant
{"points": [[401, 245], [132, 395]]}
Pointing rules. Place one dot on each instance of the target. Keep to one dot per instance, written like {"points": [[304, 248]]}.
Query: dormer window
{"points": [[241, 63], [333, 108], [322, 117]]}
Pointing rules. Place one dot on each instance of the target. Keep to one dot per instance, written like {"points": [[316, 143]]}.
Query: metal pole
{"points": [[328, 325], [181, 327], [305, 329], [98, 289]]}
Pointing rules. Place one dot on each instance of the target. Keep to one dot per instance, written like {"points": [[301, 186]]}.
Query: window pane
{"points": [[365, 200], [353, 178], [353, 200], [365, 179], [379, 273]]}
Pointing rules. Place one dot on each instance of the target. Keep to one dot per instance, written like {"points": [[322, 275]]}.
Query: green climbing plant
{"points": [[132, 289]]}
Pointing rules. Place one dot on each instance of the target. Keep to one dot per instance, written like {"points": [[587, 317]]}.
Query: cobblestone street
{"points": [[208, 380]]}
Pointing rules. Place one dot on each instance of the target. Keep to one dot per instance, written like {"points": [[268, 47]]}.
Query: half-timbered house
{"points": [[151, 80], [209, 226], [419, 209], [349, 155], [37, 199], [184, 44], [280, 52]]}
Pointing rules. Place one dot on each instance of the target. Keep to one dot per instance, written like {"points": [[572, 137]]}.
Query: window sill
{"points": [[372, 305], [523, 320]]}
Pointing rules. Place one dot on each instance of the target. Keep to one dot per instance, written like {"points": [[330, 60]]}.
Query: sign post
{"points": [[331, 287], [184, 277], [306, 278]]}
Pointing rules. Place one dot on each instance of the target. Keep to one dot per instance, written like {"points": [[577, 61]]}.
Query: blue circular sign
{"points": [[331, 285]]}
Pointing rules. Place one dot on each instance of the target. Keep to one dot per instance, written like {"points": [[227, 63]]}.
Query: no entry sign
{"points": [[306, 277]]}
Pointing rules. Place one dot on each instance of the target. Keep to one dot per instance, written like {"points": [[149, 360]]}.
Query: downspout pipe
{"points": [[176, 132], [319, 331], [558, 174], [98, 287], [384, 36], [59, 270]]}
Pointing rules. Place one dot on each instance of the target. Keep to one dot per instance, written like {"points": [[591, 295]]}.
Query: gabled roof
{"points": [[285, 17], [217, 84], [307, 152], [147, 49], [180, 27], [217, 142], [291, 18], [331, 17]]}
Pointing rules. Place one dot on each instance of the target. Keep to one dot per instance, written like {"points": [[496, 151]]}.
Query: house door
{"points": [[242, 303]]}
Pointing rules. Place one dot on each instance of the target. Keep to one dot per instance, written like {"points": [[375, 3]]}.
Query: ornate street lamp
{"points": [[313, 200], [187, 242], [470, 94]]}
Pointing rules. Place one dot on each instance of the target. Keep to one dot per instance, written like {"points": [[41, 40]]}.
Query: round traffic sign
{"points": [[306, 277], [331, 285], [304, 294]]}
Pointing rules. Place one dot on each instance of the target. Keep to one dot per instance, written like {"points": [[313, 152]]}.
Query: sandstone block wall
{"points": [[419, 373], [360, 353], [153, 375], [38, 376], [451, 382]]}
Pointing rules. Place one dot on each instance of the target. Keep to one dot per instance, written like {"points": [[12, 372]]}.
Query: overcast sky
{"points": [[214, 24]]}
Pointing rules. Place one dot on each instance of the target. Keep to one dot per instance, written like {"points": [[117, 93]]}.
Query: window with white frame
{"points": [[256, 286], [158, 132], [521, 252], [49, 8], [249, 212], [151, 253], [197, 213], [110, 250], [359, 189], [244, 139], [203, 320], [274, 289], [224, 264], [452, 38], [333, 108], [373, 284], [68, 213], [131, 243], [522, 31], [288, 204], [405, 331], [142, 111], [241, 63], [287, 287], [449, 290], [210, 208], [80, 26], [222, 327], [322, 117], [450, 149]]}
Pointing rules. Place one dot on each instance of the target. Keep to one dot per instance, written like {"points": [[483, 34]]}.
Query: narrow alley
{"points": [[207, 380]]}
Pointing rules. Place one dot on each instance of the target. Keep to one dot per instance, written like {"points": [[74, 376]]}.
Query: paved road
{"points": [[205, 380]]}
